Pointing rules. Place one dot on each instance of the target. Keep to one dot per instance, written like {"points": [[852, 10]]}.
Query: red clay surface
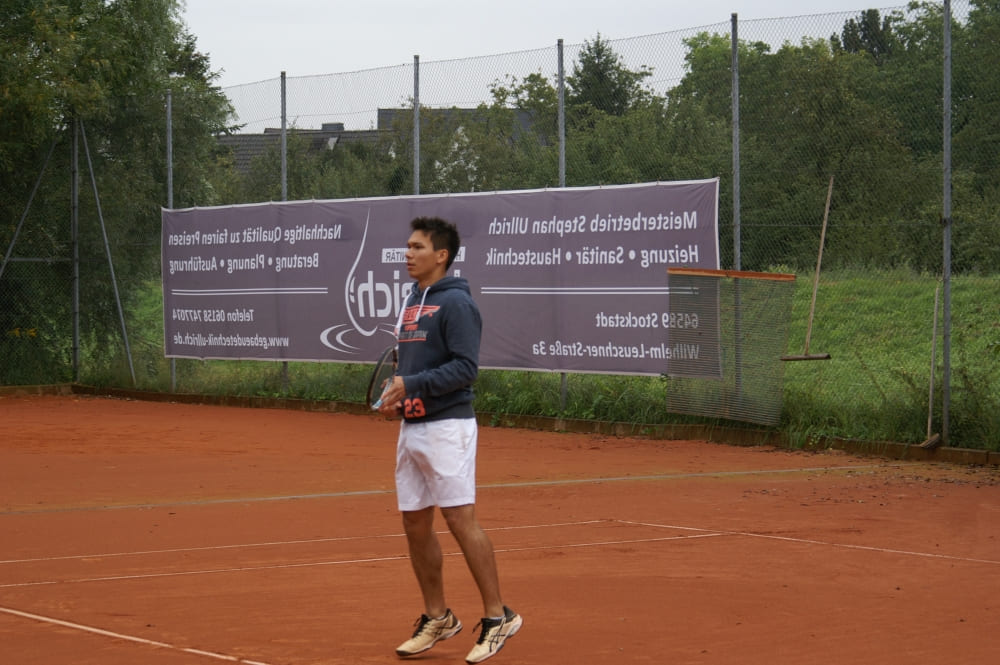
{"points": [[168, 534]]}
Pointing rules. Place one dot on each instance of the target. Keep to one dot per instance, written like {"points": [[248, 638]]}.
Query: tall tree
{"points": [[869, 33], [107, 64], [601, 80], [977, 112], [976, 129], [805, 116]]}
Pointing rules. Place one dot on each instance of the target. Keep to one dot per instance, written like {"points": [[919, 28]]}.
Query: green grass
{"points": [[879, 333], [877, 329]]}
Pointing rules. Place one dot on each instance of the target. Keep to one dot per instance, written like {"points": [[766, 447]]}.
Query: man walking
{"points": [[438, 360]]}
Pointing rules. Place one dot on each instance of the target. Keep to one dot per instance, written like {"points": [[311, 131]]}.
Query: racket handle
{"points": [[377, 404]]}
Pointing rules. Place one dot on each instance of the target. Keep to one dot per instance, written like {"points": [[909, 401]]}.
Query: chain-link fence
{"points": [[852, 99]]}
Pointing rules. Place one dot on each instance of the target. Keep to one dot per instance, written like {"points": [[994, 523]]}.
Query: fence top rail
{"points": [[735, 274]]}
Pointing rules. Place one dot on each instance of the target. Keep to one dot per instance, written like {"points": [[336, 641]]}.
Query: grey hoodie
{"points": [[439, 350]]}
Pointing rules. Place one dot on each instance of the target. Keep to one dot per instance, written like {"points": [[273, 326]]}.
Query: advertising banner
{"points": [[571, 279]]}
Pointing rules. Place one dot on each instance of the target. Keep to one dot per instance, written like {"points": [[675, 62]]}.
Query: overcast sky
{"points": [[252, 40]]}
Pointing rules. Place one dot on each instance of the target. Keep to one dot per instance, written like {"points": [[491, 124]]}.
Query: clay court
{"points": [[180, 534]]}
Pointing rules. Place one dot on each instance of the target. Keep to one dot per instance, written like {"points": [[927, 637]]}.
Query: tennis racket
{"points": [[381, 377]]}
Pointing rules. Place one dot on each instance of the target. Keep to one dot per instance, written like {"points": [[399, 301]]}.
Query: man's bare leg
{"points": [[426, 559], [479, 556]]}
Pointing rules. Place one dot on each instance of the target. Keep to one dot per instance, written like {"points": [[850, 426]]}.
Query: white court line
{"points": [[685, 476], [208, 571], [128, 638], [209, 548], [342, 562], [699, 533], [196, 502], [233, 659], [276, 543], [808, 541], [529, 483], [606, 542]]}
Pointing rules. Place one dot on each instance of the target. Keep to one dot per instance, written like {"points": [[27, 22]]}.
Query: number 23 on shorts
{"points": [[414, 408]]}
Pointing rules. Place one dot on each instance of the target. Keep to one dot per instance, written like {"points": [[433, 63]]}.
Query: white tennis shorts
{"points": [[436, 464]]}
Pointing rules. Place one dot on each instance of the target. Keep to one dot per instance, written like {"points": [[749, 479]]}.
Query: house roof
{"points": [[388, 117], [247, 147]]}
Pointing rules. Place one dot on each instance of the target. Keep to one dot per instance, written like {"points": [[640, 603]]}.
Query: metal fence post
{"points": [[562, 116], [107, 250], [284, 185], [170, 149], [563, 378], [416, 124], [75, 240], [737, 260], [284, 139], [170, 200], [946, 219]]}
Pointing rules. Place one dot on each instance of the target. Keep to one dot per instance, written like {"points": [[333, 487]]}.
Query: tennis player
{"points": [[439, 334]]}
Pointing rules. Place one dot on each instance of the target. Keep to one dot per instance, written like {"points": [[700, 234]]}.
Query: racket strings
{"points": [[385, 368]]}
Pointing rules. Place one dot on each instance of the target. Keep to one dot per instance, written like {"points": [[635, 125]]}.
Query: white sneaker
{"points": [[495, 632], [429, 631]]}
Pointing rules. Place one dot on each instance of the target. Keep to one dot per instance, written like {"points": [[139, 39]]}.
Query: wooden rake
{"points": [[812, 307]]}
